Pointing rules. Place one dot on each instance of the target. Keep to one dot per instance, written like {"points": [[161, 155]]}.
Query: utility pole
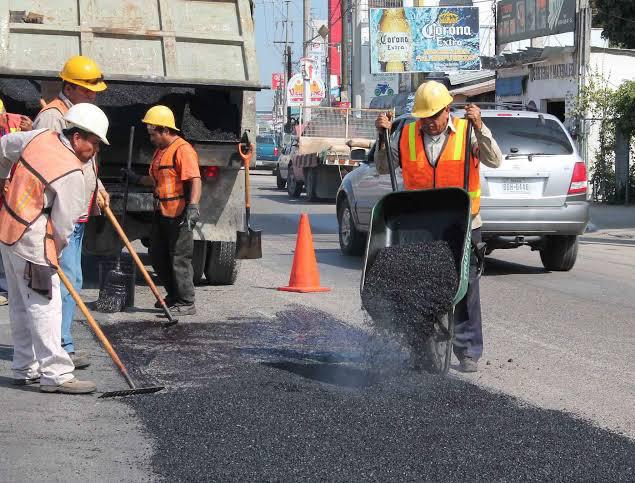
{"points": [[286, 65], [306, 37], [346, 36]]}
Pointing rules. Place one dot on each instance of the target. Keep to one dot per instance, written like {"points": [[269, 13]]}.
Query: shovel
{"points": [[248, 242]]}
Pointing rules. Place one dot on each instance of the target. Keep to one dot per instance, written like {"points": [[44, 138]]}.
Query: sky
{"points": [[269, 27]]}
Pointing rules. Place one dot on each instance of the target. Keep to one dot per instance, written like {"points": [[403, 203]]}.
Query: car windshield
{"points": [[524, 135], [265, 140]]}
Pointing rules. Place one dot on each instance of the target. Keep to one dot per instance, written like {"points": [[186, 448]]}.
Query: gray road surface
{"points": [[560, 341]]}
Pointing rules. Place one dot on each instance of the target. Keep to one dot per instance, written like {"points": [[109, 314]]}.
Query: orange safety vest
{"points": [[13, 122], [44, 160], [56, 103], [419, 173], [169, 189]]}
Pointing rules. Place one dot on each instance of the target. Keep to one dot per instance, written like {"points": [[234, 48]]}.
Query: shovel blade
{"points": [[248, 244]]}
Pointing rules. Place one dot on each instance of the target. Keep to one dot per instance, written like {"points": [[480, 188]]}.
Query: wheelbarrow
{"points": [[403, 217]]}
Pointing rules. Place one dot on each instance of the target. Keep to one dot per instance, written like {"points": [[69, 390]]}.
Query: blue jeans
{"points": [[71, 263]]}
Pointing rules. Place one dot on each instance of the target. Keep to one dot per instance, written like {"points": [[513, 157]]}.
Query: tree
{"points": [[617, 19]]}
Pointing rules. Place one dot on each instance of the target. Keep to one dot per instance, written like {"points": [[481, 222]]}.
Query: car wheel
{"points": [[559, 252], [280, 181], [351, 239], [294, 188], [310, 176]]}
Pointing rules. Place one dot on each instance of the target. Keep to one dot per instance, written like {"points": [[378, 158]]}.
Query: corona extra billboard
{"points": [[424, 39]]}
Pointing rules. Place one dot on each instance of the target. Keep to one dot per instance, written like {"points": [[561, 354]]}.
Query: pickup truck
{"points": [[266, 151], [198, 57]]}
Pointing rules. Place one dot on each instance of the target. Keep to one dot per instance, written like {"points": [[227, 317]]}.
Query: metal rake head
{"points": [[132, 392]]}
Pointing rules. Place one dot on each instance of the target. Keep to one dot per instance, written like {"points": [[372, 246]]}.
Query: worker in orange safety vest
{"points": [[175, 176], [430, 148]]}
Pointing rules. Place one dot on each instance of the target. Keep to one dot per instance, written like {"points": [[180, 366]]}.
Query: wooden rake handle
{"points": [[133, 254], [93, 325]]}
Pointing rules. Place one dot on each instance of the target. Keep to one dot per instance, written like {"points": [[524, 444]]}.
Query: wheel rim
{"points": [[345, 227]]}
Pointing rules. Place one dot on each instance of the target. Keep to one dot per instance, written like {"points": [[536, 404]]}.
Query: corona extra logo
{"points": [[448, 18]]}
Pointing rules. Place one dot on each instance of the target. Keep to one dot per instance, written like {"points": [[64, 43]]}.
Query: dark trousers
{"points": [[468, 328], [171, 254]]}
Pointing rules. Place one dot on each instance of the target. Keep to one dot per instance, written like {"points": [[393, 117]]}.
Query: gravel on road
{"points": [[302, 396]]}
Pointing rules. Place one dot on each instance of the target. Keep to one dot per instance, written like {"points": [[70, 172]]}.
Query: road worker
{"points": [[81, 81], [42, 202], [10, 123], [175, 176], [427, 148]]}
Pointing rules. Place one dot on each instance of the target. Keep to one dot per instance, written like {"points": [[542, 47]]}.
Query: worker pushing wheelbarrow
{"points": [[439, 156]]}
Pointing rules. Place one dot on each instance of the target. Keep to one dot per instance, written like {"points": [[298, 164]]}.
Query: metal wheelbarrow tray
{"points": [[403, 217]]}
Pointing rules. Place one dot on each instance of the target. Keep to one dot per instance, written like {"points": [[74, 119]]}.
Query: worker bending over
{"points": [[82, 80], [176, 179], [42, 202], [427, 150]]}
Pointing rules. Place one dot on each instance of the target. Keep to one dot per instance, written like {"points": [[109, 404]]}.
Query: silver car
{"points": [[537, 197]]}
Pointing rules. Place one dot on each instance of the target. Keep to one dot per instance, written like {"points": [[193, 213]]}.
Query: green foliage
{"points": [[617, 19]]}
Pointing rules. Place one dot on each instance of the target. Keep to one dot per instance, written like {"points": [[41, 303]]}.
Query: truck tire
{"points": [[294, 188], [199, 256], [352, 241], [221, 267], [280, 181], [310, 177], [559, 252]]}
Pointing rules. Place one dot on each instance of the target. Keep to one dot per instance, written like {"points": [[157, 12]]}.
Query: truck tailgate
{"points": [[169, 41]]}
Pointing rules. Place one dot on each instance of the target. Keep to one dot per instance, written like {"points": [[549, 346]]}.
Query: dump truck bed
{"points": [[191, 42]]}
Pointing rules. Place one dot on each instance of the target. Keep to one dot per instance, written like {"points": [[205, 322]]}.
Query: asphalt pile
{"points": [[292, 398], [409, 286]]}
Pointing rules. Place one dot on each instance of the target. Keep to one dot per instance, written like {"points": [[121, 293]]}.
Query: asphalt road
{"points": [[264, 384]]}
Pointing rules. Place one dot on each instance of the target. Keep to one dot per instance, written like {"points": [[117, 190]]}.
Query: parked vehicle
{"points": [[266, 151], [537, 198], [186, 65], [281, 171], [332, 142]]}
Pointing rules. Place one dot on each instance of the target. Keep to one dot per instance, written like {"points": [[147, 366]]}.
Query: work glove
{"points": [[130, 175], [192, 215]]}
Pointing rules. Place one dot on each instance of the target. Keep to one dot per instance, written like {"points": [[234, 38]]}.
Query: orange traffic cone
{"points": [[304, 273]]}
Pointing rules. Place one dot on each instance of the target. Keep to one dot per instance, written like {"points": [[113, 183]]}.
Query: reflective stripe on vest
{"points": [[419, 173], [44, 160], [56, 103], [170, 190]]}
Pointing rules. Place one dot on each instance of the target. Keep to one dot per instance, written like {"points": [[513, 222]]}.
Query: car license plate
{"points": [[516, 185]]}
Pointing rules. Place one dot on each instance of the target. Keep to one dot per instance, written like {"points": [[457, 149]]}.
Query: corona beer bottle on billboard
{"points": [[394, 43]]}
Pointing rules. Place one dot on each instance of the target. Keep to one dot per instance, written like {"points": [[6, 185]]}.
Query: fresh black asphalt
{"points": [[302, 396]]}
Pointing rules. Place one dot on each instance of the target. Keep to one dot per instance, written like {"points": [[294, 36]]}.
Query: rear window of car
{"points": [[265, 140], [524, 135]]}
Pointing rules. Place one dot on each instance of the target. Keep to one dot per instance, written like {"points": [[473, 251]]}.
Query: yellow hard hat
{"points": [[430, 98], [160, 116], [83, 71], [1, 106]]}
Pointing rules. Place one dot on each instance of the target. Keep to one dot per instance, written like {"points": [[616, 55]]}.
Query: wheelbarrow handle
{"points": [[391, 161]]}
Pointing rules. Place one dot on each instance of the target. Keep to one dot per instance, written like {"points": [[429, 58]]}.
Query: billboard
{"points": [[277, 81], [528, 19], [424, 39]]}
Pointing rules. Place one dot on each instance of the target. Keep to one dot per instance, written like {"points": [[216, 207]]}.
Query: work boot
{"points": [[183, 309], [80, 359], [26, 382], [74, 386], [168, 301], [467, 364]]}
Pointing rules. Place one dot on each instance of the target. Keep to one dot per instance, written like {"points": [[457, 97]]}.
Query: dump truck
{"points": [[332, 141], [198, 57]]}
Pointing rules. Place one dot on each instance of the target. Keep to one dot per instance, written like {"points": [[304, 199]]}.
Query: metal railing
{"points": [[338, 122]]}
